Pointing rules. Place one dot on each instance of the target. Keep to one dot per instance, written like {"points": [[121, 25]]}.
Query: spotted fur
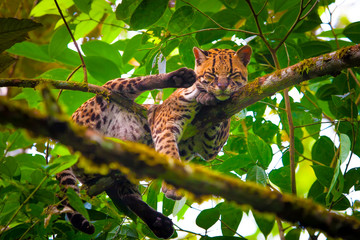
{"points": [[220, 73]]}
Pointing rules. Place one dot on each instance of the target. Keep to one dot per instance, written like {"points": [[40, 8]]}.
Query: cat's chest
{"points": [[126, 125]]}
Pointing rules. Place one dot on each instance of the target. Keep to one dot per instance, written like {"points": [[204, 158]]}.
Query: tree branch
{"points": [[145, 162], [76, 86], [261, 87]]}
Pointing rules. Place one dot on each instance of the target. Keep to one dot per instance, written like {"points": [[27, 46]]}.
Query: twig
{"points": [[281, 229], [298, 19], [74, 41], [218, 24]]}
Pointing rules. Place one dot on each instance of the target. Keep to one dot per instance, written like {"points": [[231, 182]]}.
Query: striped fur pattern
{"points": [[220, 73]]}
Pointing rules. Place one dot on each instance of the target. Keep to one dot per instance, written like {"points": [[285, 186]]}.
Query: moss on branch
{"points": [[142, 162]]}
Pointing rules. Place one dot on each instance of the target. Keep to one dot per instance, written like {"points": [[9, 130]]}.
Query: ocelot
{"points": [[219, 74]]}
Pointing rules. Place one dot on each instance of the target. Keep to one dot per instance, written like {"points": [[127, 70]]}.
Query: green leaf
{"points": [[316, 190], [131, 47], [231, 216], [315, 48], [352, 31], [182, 18], [281, 178], [11, 205], [168, 206], [259, 150], [186, 53], [59, 41], [342, 106], [18, 140], [60, 150], [8, 166], [83, 5], [69, 57], [32, 97], [207, 218], [326, 91], [13, 30], [324, 174], [257, 174], [32, 51], [30, 161], [147, 13], [153, 192], [265, 129], [323, 150], [125, 9], [62, 163], [234, 163], [352, 178], [101, 68], [46, 7], [293, 234], [265, 223], [337, 182], [76, 202], [345, 145], [102, 49]]}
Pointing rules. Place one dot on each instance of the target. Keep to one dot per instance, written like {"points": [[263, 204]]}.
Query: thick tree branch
{"points": [[141, 161], [327, 64]]}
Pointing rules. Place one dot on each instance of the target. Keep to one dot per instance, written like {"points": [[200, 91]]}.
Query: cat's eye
{"points": [[235, 75], [209, 76]]}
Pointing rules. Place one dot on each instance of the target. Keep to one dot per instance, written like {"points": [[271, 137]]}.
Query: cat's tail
{"points": [[68, 180], [126, 193]]}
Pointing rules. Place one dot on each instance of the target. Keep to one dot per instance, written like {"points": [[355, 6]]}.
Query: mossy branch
{"points": [[142, 161], [327, 64]]}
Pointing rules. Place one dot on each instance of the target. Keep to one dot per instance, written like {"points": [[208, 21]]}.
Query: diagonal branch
{"points": [[145, 162], [327, 64], [75, 86]]}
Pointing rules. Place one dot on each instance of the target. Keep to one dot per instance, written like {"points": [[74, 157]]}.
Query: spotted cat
{"points": [[219, 74]]}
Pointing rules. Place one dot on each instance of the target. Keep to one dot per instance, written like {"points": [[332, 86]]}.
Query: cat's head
{"points": [[221, 72]]}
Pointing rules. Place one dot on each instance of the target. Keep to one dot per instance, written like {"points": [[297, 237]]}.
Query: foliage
{"points": [[132, 38]]}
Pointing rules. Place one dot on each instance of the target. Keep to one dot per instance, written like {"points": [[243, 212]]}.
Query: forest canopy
{"points": [[294, 135]]}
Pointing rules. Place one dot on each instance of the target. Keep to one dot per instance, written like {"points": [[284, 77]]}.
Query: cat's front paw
{"points": [[170, 192], [183, 77], [206, 98]]}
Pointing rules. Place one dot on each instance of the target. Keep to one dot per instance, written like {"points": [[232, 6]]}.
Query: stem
{"points": [[292, 141], [298, 19], [74, 41], [281, 229]]}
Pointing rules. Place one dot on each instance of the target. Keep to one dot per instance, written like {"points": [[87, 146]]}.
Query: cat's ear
{"points": [[244, 54], [200, 55]]}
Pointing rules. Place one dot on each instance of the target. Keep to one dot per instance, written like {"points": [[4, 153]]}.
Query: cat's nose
{"points": [[222, 84]]}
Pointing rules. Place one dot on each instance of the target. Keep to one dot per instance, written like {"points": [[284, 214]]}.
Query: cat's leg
{"points": [[133, 87], [124, 193], [167, 122]]}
